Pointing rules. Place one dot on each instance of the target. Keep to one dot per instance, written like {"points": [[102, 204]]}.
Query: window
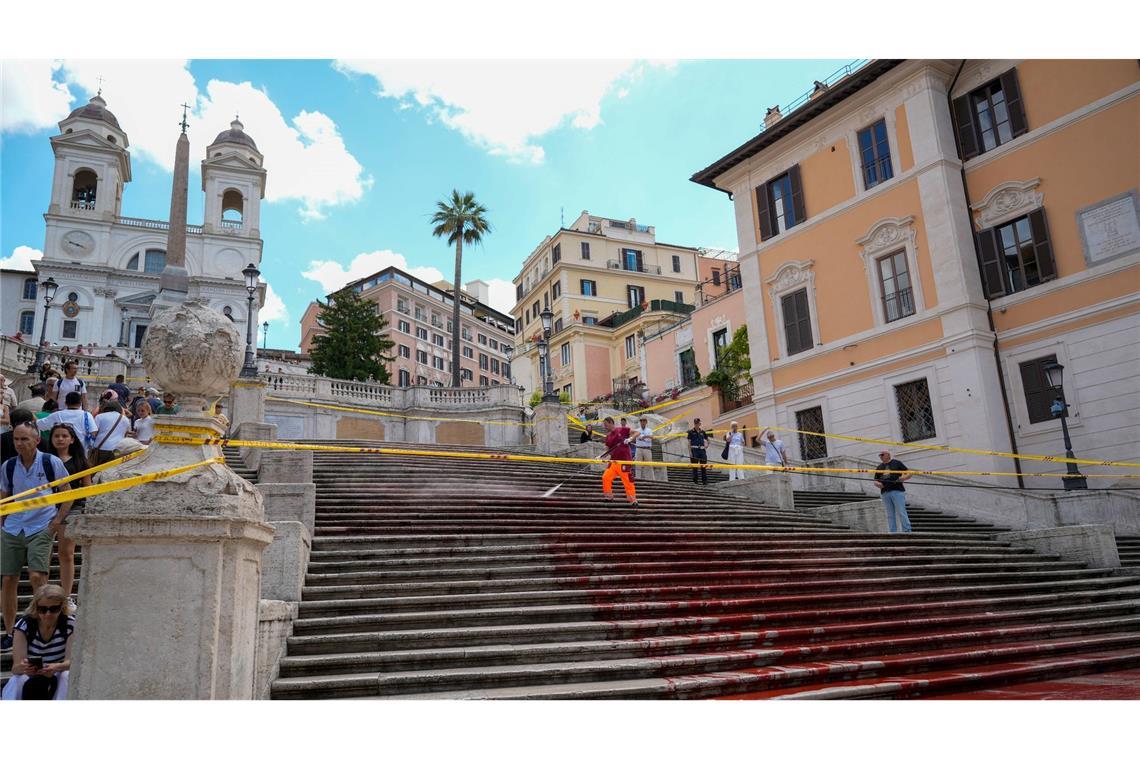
{"points": [[585, 251], [558, 325], [1039, 395], [154, 262], [27, 322], [589, 320], [990, 116], [635, 294], [421, 356], [589, 288], [494, 344], [556, 291], [678, 296], [495, 366], [676, 263], [1016, 256], [916, 416], [422, 333], [482, 339], [405, 327], [518, 325], [437, 362], [545, 300], [811, 421], [405, 352], [468, 352], [466, 374], [405, 377], [466, 333], [733, 278], [83, 189], [30, 289], [716, 277], [402, 305], [518, 292], [556, 253], [420, 313], [631, 260], [566, 354], [506, 369], [70, 328], [780, 204], [483, 381], [630, 346], [797, 321], [534, 309], [720, 343], [438, 340], [898, 298], [689, 371], [484, 361], [875, 154], [568, 390], [421, 380]]}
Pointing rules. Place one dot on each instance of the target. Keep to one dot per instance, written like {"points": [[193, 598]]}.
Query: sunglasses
{"points": [[46, 610]]}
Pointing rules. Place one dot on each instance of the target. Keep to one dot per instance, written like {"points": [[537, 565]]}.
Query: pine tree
{"points": [[355, 345]]}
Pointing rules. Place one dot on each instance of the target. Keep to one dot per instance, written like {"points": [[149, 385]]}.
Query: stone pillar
{"points": [[1095, 545], [867, 516], [772, 489], [550, 430], [247, 402], [172, 568], [254, 431], [676, 449]]}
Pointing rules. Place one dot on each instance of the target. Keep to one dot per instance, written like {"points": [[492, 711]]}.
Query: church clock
{"points": [[77, 243]]}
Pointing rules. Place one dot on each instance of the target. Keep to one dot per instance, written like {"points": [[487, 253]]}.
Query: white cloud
{"points": [[503, 106], [305, 155], [30, 99], [502, 294], [332, 275], [22, 258], [274, 309]]}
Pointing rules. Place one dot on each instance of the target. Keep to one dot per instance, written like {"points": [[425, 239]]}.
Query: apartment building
{"points": [[419, 319], [607, 282], [919, 238]]}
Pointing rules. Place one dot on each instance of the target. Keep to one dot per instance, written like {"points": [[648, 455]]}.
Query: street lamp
{"points": [[548, 393], [264, 335], [1054, 373], [249, 369], [48, 287]]}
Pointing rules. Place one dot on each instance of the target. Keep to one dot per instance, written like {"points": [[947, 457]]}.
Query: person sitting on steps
{"points": [[41, 648]]}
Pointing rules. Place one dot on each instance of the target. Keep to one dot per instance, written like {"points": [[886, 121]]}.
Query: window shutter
{"points": [[797, 195], [791, 327], [1013, 103], [1042, 248], [763, 213], [993, 283], [964, 125], [806, 341], [1038, 396]]}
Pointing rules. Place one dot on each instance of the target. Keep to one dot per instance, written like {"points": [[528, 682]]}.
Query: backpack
{"points": [[49, 469]]}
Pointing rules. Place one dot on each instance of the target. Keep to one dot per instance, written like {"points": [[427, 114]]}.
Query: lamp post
{"points": [[48, 287], [264, 335], [548, 393], [1054, 373], [508, 352], [249, 369]]}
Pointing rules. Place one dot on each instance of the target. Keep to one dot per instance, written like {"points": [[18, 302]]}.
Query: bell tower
{"points": [[233, 180], [92, 164]]}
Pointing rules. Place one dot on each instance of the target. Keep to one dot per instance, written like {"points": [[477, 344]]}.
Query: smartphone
{"points": [[36, 662]]}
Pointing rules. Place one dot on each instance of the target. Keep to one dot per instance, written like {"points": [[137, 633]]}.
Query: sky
{"points": [[358, 152]]}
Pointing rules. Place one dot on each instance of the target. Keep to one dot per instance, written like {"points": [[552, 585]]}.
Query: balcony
{"points": [[617, 319], [154, 224], [644, 268], [231, 227]]}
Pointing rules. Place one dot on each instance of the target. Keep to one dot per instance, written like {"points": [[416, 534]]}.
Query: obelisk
{"points": [[174, 283]]}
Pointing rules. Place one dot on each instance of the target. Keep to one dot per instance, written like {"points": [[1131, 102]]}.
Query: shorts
{"points": [[698, 456], [18, 551]]}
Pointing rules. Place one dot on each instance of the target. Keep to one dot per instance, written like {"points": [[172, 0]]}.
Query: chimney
{"points": [[478, 290], [772, 116]]}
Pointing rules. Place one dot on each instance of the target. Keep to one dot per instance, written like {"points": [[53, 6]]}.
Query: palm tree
{"points": [[462, 220]]}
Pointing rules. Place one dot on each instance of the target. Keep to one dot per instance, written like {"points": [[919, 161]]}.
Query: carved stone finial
{"points": [[193, 352]]}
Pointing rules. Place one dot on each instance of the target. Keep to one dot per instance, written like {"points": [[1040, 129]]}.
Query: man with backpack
{"points": [[77, 417], [71, 383], [26, 537]]}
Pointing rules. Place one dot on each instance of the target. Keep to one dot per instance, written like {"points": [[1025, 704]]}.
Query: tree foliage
{"points": [[735, 363], [355, 344]]}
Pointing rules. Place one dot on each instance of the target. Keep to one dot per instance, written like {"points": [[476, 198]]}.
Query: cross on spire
{"points": [[100, 92], [183, 123]]}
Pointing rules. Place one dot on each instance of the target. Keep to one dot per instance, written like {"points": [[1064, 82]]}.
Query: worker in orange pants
{"points": [[617, 447]]}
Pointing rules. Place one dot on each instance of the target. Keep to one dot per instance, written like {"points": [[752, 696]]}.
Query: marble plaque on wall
{"points": [[287, 427], [1111, 228]]}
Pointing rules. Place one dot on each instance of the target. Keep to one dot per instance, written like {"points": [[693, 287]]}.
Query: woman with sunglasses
{"points": [[41, 648], [65, 444]]}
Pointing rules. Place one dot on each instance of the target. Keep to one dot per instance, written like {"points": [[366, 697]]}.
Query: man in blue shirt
{"points": [[698, 451], [26, 537]]}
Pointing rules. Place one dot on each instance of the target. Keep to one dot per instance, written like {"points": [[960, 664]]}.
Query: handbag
{"points": [[724, 454]]}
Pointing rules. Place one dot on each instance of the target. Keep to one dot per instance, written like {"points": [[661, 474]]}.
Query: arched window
{"points": [[83, 189], [30, 289], [233, 207], [155, 261], [133, 263], [228, 312]]}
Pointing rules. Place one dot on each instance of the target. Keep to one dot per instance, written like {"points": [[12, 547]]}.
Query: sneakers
{"points": [[6, 643], [634, 504]]}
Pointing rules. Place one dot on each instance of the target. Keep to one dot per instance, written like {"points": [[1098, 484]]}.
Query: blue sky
{"points": [[357, 152]]}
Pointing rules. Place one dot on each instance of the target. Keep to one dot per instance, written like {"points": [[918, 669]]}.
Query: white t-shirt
{"points": [[773, 451], [736, 439], [67, 385], [644, 437], [144, 429], [113, 426], [80, 420]]}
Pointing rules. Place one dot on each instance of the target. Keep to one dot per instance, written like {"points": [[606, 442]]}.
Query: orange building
{"points": [[918, 238]]}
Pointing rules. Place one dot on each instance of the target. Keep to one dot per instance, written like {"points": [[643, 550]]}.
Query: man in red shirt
{"points": [[617, 444]]}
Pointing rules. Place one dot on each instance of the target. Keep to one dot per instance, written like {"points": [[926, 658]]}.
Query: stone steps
{"points": [[1128, 547]]}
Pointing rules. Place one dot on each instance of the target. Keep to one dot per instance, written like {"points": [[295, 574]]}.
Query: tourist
{"points": [[80, 420], [893, 492], [643, 447], [7, 445], [65, 445], [168, 406], [113, 426], [51, 385], [8, 400], [121, 390], [698, 451], [19, 336], [26, 537], [41, 648], [735, 439], [36, 402], [774, 454], [70, 382], [142, 426], [617, 447], [45, 370]]}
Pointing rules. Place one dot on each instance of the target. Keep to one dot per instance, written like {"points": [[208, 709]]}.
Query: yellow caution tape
{"points": [[101, 488], [76, 476], [361, 410], [585, 460]]}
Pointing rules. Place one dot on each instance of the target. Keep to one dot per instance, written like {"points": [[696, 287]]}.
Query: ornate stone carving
{"points": [[106, 292], [789, 275], [1006, 201], [887, 233], [194, 352]]}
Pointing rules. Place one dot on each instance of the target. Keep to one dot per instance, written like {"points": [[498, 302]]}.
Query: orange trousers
{"points": [[617, 470]]}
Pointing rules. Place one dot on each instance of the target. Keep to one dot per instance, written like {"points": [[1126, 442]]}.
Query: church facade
{"points": [[108, 265]]}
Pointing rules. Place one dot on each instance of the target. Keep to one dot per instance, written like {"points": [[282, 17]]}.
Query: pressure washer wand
{"points": [[550, 493]]}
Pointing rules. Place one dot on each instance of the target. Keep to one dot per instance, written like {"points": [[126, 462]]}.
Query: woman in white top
{"points": [[735, 439], [113, 427], [143, 425]]}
